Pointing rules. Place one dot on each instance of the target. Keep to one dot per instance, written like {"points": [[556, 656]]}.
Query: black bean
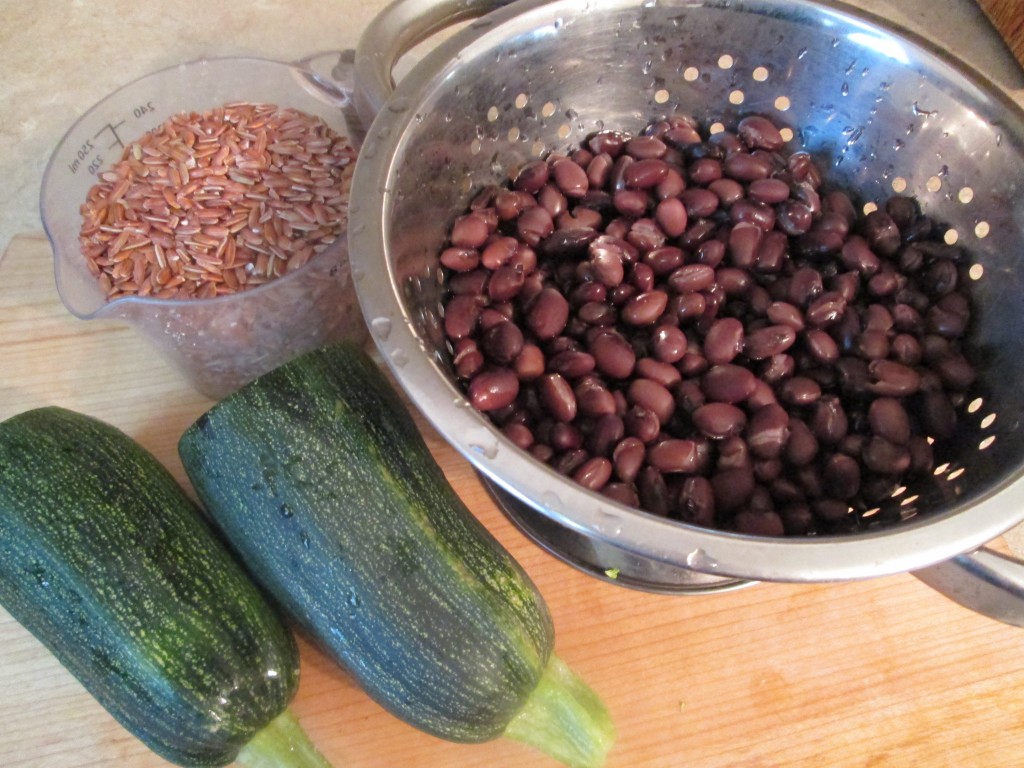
{"points": [[696, 502]]}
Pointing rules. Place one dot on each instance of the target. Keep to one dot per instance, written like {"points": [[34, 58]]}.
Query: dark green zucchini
{"points": [[318, 477], [109, 564]]}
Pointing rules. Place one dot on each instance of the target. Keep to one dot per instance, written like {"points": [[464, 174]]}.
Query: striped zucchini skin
{"points": [[319, 478], [109, 564]]}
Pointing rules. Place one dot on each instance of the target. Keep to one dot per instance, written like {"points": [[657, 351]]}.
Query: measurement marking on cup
{"points": [[112, 127], [89, 152]]}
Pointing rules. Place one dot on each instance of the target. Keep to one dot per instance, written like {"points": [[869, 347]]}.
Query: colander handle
{"points": [[393, 32], [984, 581]]}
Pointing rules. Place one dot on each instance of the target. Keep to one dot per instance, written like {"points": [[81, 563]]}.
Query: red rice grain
{"points": [[218, 202]]}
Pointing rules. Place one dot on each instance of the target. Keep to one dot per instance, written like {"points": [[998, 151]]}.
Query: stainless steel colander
{"points": [[881, 110]]}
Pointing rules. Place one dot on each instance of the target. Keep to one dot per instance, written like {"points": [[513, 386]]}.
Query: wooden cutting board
{"points": [[1007, 17], [881, 673]]}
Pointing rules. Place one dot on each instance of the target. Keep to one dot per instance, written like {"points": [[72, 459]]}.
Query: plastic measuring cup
{"points": [[219, 343]]}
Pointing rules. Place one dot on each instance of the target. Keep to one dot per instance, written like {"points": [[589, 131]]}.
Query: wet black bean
{"points": [[884, 457], [805, 286], [719, 420], [548, 314], [841, 475], [594, 473], [699, 202], [757, 523], [802, 446], [628, 457], [882, 233], [768, 341], [492, 389], [828, 420], [605, 434], [768, 431], [733, 452], [502, 342], [892, 379], [652, 396], [673, 455], [642, 423], [562, 436], [613, 355], [732, 488], [665, 374], [826, 309], [724, 341], [799, 390], [956, 372], [696, 502], [889, 419], [593, 399], [778, 368], [728, 383], [821, 347], [759, 132]]}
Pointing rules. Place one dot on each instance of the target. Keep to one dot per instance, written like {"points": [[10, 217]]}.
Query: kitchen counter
{"points": [[882, 673]]}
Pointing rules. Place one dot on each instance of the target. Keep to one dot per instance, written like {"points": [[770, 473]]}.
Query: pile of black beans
{"points": [[691, 325]]}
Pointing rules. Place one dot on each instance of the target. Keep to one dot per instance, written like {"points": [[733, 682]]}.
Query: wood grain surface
{"points": [[1008, 18], [881, 673]]}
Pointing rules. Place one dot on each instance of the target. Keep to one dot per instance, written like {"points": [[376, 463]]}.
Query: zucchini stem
{"points": [[565, 719], [281, 744]]}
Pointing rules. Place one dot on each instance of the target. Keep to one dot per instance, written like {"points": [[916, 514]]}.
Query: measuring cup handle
{"points": [[984, 581], [394, 31]]}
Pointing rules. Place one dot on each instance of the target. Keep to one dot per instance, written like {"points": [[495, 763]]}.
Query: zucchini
{"points": [[110, 565], [318, 477]]}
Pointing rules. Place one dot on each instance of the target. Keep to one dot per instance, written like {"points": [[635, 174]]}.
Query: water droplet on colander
{"points": [[382, 327], [480, 23], [369, 149], [399, 105], [609, 524], [483, 443], [923, 112], [700, 560], [399, 358], [845, 89], [550, 499], [898, 145], [801, 53]]}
